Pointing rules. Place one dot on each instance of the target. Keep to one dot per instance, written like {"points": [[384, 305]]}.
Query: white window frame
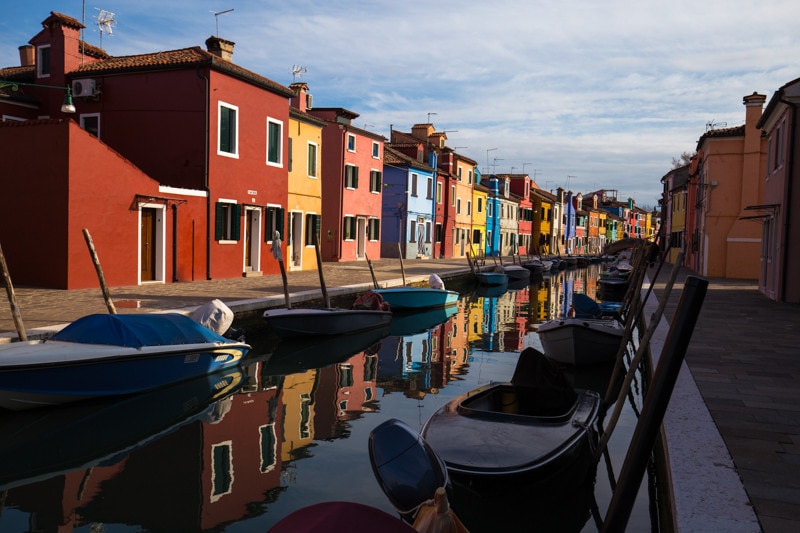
{"points": [[351, 137], [315, 175], [235, 153], [376, 150], [83, 118], [279, 123], [40, 63]]}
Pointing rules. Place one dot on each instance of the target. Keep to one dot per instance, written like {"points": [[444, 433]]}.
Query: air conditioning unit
{"points": [[86, 87], [309, 101]]}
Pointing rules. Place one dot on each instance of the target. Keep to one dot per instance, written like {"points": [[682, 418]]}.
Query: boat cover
{"points": [[136, 331]]}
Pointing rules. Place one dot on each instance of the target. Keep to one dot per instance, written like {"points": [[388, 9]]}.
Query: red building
{"points": [[352, 181], [181, 173]]}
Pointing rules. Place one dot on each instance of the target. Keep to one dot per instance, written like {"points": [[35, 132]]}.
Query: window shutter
{"points": [[236, 221], [218, 222], [280, 220], [355, 177]]}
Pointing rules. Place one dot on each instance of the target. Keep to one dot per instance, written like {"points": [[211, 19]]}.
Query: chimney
{"points": [[301, 98], [220, 47], [27, 55]]}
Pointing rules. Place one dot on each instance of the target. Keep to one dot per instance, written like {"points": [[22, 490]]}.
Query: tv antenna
{"points": [[297, 71], [216, 17], [711, 125], [105, 23]]}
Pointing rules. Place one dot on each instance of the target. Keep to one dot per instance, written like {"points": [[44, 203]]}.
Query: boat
{"points": [[415, 298], [298, 322], [340, 516], [516, 272], [407, 469], [103, 355], [54, 440], [586, 307], [581, 341], [513, 432], [293, 355]]}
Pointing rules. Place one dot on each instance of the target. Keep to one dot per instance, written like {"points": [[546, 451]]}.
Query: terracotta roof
{"points": [[306, 117], [175, 59], [66, 20], [395, 157], [17, 73], [736, 131]]}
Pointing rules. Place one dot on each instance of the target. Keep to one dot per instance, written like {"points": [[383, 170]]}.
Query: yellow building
{"points": [[465, 179], [304, 205], [480, 193]]}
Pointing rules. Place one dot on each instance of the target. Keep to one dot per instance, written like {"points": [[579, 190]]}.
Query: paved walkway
{"points": [[743, 359]]}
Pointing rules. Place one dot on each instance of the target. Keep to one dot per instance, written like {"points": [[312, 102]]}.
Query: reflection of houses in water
{"points": [[356, 382], [297, 432]]}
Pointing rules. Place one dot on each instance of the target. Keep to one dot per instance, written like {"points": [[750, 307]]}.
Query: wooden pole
{"points": [[371, 271], [402, 269], [277, 253], [99, 270], [322, 278], [12, 299]]}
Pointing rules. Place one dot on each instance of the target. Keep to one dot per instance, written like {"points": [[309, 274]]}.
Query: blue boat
{"points": [[418, 322], [106, 355], [414, 298], [492, 278]]}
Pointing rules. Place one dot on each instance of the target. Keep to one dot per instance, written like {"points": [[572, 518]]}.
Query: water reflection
{"points": [[290, 432]]}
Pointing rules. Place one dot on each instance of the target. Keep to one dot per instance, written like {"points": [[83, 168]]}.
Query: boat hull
{"points": [[102, 371], [492, 279], [485, 436], [303, 322], [581, 341], [403, 298]]}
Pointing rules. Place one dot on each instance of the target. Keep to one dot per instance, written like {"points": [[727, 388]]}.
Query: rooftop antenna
{"points": [[429, 117], [711, 125], [297, 71], [216, 17], [105, 23]]}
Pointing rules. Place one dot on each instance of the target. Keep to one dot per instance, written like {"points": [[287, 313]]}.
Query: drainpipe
{"points": [[206, 187], [788, 196], [174, 243]]}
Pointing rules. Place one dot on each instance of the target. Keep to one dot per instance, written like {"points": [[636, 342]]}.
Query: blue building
{"points": [[407, 213], [493, 216]]}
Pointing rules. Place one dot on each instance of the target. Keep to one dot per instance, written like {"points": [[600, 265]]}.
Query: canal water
{"points": [[238, 451]]}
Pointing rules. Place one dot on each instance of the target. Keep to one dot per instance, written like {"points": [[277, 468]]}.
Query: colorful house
{"points": [[480, 194], [408, 189], [304, 203], [779, 209], [218, 157], [352, 185]]}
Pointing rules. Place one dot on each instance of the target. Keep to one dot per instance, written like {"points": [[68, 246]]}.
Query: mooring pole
{"points": [[12, 298], [655, 404], [99, 270], [322, 285]]}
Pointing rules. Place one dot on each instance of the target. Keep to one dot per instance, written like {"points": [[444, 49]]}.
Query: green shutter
{"points": [[280, 219], [355, 177], [219, 223], [236, 221]]}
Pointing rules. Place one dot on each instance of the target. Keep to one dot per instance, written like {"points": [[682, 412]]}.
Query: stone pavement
{"points": [[743, 359]]}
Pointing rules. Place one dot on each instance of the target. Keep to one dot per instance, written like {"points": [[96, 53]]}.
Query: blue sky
{"points": [[578, 93]]}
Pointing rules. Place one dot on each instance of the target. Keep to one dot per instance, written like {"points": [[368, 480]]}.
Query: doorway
{"points": [[151, 243], [252, 240]]}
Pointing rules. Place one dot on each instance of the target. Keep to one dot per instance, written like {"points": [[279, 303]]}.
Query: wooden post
{"points": [[321, 277], [277, 253], [402, 269], [371, 271], [12, 299], [99, 270]]}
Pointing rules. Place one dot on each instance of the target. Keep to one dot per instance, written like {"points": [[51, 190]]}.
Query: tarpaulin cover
{"points": [[135, 331]]}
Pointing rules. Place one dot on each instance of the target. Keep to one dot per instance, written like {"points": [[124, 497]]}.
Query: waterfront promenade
{"points": [[733, 424]]}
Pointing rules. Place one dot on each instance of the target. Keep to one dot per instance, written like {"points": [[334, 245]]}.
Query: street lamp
{"points": [[66, 107]]}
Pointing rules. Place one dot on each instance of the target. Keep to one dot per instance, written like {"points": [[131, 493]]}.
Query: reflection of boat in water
{"points": [[42, 443], [408, 298], [298, 354], [410, 323], [300, 322], [490, 291]]}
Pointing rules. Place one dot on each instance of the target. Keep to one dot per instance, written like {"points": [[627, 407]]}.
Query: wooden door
{"points": [[148, 239]]}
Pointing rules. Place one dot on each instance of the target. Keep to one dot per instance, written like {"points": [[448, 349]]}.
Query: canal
{"points": [[241, 450]]}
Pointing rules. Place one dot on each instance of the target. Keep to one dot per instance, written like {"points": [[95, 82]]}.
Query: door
{"points": [[252, 239], [148, 244], [361, 243], [296, 242], [421, 237]]}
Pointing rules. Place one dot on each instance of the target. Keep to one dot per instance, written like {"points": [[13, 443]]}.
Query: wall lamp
{"points": [[66, 107]]}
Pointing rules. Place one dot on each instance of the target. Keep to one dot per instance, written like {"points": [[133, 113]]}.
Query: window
{"points": [[458, 173], [376, 150], [312, 160], [452, 195], [374, 229], [414, 184], [274, 142], [438, 193], [489, 209], [349, 228], [312, 229], [274, 222], [222, 470], [291, 158], [480, 205], [439, 232], [91, 123], [469, 176], [350, 177], [429, 194], [476, 237], [412, 231], [43, 61], [228, 130], [427, 231], [227, 227], [351, 142], [458, 206], [469, 207], [375, 180]]}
